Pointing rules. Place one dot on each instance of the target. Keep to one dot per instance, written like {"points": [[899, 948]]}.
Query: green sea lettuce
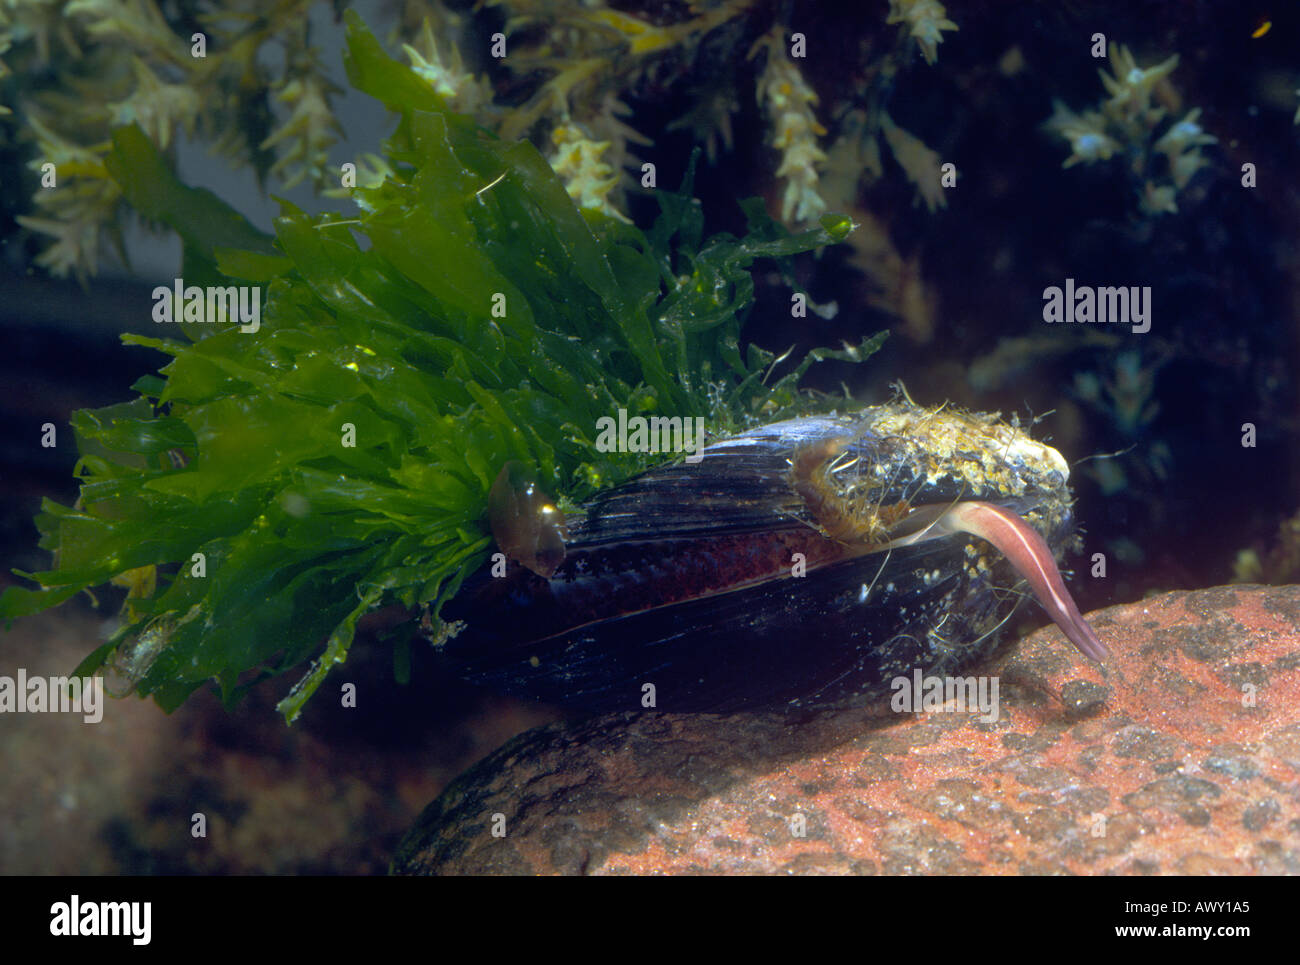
{"points": [[253, 536]]}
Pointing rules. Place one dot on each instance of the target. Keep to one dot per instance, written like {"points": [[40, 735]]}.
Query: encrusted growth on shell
{"points": [[914, 449]]}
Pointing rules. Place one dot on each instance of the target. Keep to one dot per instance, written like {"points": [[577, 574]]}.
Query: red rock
{"points": [[1161, 761]]}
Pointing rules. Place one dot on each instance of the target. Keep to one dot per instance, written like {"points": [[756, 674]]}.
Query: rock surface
{"points": [[1181, 755]]}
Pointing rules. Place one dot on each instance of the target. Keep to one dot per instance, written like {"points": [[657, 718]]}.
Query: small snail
{"points": [[526, 525]]}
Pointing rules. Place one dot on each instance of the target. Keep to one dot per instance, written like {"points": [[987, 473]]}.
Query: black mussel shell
{"points": [[683, 589]]}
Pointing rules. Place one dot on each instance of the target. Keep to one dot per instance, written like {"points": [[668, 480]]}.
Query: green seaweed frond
{"points": [[279, 480]]}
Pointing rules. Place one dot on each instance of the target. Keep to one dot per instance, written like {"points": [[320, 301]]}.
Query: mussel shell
{"points": [[682, 577]]}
